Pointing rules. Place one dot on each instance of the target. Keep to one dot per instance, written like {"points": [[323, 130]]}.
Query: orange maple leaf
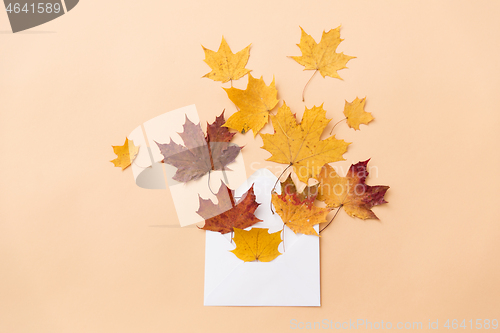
{"points": [[297, 210], [351, 191]]}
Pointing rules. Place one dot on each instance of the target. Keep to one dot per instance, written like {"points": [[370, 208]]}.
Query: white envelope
{"points": [[292, 279], [150, 173]]}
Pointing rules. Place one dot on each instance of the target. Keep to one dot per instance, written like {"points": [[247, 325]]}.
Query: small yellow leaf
{"points": [[355, 113], [254, 103], [256, 244], [299, 145], [322, 56], [126, 154], [226, 65]]}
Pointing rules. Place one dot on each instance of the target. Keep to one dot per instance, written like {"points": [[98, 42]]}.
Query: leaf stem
{"points": [[230, 193], [140, 166], [332, 218], [303, 91], [283, 232], [210, 153], [277, 180], [209, 183], [338, 122]]}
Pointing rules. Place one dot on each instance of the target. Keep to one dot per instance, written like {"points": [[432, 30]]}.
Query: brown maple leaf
{"points": [[227, 214], [351, 191], [297, 210], [200, 154]]}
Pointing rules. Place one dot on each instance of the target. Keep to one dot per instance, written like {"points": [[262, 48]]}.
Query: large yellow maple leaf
{"points": [[299, 145], [355, 113], [225, 64], [125, 154], [256, 244], [254, 103], [297, 210], [322, 56]]}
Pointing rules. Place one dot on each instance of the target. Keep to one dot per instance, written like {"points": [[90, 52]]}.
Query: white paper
{"points": [[150, 173], [292, 279]]}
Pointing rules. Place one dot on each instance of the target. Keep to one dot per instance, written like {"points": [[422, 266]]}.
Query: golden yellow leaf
{"points": [[351, 191], [322, 56], [299, 145], [297, 210], [126, 154], [254, 103], [355, 113], [226, 65], [256, 244]]}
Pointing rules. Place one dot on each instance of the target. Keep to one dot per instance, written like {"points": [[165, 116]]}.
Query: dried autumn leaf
{"points": [[126, 154], [322, 56], [254, 104], [225, 65], [256, 244], [226, 214], [299, 145], [200, 154], [297, 210], [355, 113], [350, 192]]}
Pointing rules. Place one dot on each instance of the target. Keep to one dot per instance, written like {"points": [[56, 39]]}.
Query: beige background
{"points": [[82, 249]]}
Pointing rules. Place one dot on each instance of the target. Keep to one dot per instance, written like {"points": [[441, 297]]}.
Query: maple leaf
{"points": [[254, 105], [355, 113], [322, 56], [256, 244], [297, 210], [226, 214], [350, 192], [299, 145], [126, 154], [225, 65], [200, 154]]}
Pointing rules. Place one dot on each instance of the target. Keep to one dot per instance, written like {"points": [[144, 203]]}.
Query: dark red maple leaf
{"points": [[200, 154], [227, 214]]}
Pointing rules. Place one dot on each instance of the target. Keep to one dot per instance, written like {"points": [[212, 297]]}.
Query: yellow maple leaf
{"points": [[322, 56], [256, 244], [297, 210], [254, 103], [225, 65], [355, 113], [299, 145], [126, 154]]}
